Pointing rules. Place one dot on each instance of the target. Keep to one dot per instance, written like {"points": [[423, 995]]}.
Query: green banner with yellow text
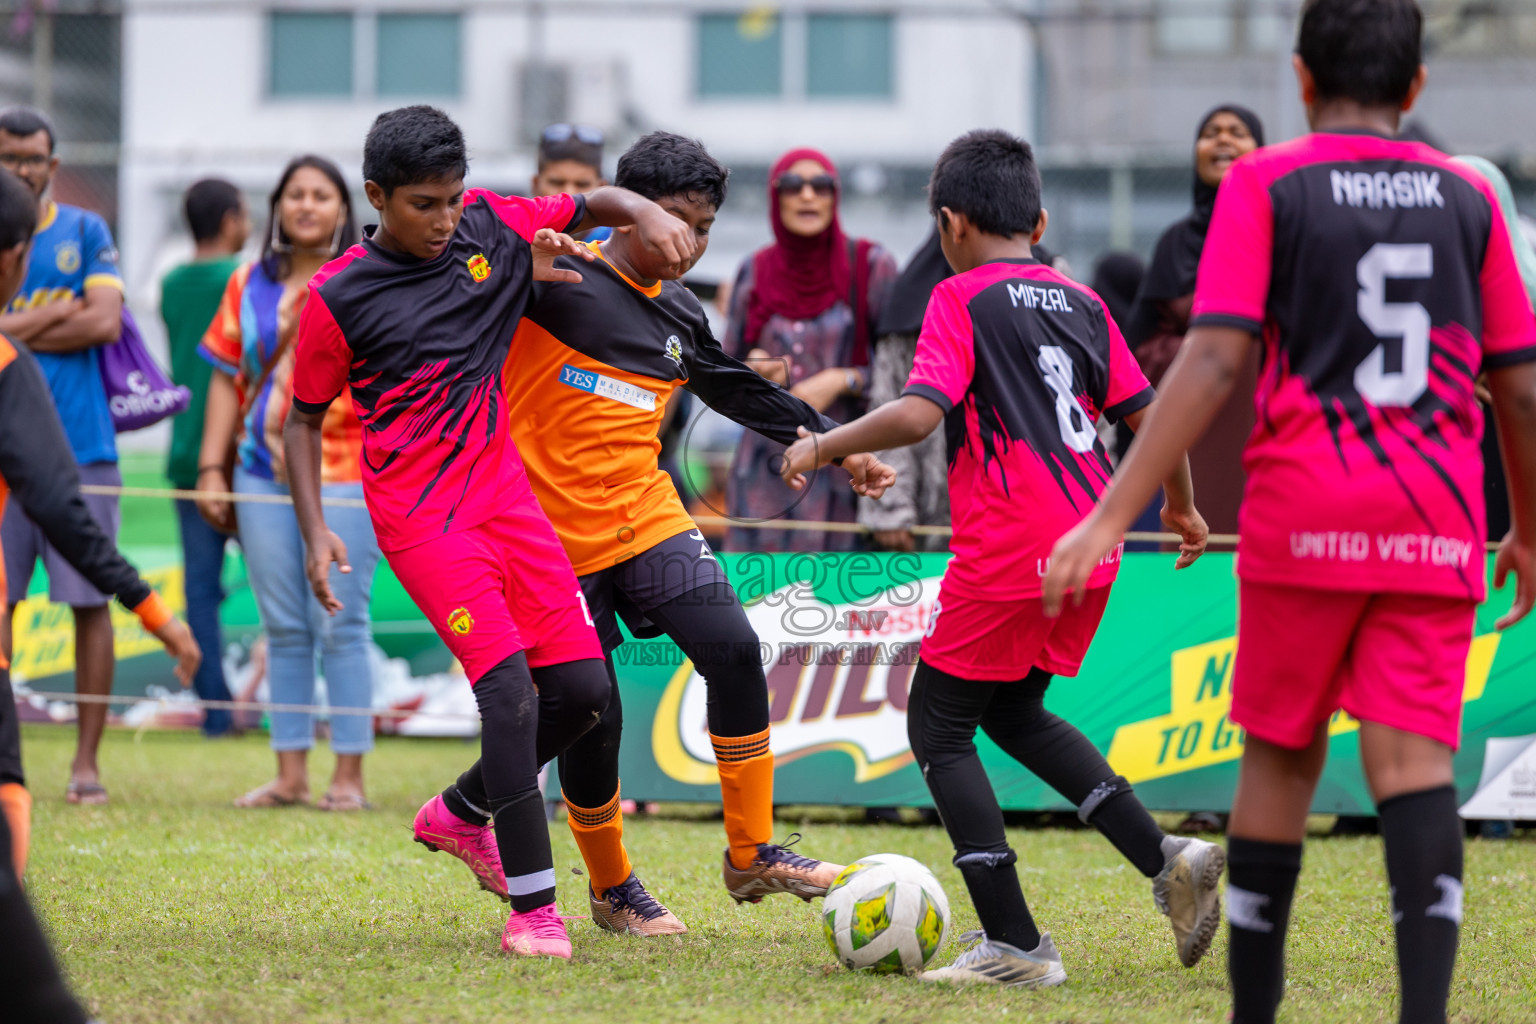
{"points": [[840, 634]]}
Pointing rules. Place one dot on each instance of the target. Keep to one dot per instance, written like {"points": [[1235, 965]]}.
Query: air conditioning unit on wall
{"points": [[585, 92]]}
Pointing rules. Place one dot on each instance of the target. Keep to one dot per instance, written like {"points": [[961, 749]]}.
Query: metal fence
{"points": [[66, 59]]}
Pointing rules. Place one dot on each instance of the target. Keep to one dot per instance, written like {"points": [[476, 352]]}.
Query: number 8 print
{"points": [[1408, 321], [1056, 365]]}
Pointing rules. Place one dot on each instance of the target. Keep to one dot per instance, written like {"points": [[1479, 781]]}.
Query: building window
{"points": [[740, 54], [848, 55], [311, 54], [1195, 26], [418, 55]]}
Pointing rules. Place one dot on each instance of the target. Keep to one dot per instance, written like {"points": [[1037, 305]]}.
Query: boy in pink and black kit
{"points": [[1019, 362], [1379, 278], [416, 320]]}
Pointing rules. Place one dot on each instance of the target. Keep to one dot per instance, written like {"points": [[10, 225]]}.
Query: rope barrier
{"points": [[179, 703], [1219, 540], [722, 522]]}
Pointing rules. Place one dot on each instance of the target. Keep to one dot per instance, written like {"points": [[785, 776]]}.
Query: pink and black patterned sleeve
{"points": [[946, 352], [1129, 390], [1232, 289], [528, 216], [1509, 326]]}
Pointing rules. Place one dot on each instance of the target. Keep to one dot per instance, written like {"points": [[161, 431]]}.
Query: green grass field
{"points": [[170, 905]]}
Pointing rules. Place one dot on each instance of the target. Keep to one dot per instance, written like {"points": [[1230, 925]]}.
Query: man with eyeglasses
{"points": [[571, 161], [69, 305]]}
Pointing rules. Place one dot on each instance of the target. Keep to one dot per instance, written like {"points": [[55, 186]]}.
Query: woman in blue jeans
{"points": [[250, 344]]}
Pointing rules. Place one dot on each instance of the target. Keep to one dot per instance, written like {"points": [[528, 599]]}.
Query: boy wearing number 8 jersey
{"points": [[1379, 278], [1019, 362]]}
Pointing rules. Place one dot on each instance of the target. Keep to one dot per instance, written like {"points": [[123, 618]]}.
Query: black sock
{"points": [[1114, 810], [1422, 834], [463, 796], [29, 977], [1261, 880], [993, 883]]}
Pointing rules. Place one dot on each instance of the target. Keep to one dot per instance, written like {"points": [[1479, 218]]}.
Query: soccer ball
{"points": [[885, 913]]}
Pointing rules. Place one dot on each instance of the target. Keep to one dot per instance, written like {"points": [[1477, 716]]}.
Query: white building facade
{"points": [[236, 89]]}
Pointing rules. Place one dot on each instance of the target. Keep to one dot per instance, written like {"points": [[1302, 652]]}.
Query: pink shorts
{"points": [[996, 641], [498, 588], [1398, 660]]}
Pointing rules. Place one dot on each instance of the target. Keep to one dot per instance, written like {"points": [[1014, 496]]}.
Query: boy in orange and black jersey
{"points": [[591, 371]]}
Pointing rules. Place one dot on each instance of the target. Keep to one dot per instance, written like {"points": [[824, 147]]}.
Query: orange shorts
{"points": [[998, 641], [1399, 660]]}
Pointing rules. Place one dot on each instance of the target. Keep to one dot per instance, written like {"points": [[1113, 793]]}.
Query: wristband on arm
{"points": [[153, 612]]}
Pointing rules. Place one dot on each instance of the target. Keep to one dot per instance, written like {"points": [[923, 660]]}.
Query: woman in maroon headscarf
{"points": [[803, 312]]}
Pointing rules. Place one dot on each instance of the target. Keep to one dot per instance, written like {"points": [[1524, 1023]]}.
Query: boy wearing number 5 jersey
{"points": [[1018, 362], [1378, 276]]}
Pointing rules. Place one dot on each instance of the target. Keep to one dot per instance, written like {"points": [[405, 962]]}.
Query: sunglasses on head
{"points": [[791, 184], [563, 130]]}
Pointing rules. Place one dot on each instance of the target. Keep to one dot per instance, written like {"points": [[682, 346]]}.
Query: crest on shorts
{"points": [[479, 266], [460, 621], [673, 347]]}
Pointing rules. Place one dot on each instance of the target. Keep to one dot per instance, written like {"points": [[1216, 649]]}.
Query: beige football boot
{"points": [[774, 870], [1188, 890], [629, 910]]}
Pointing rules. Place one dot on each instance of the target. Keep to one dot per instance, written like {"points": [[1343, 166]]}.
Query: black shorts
{"points": [[650, 579]]}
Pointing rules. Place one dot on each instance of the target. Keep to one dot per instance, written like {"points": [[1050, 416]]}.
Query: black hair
{"points": [[18, 211], [663, 164], [586, 153], [206, 204], [23, 120], [411, 145], [277, 252], [1362, 50], [991, 177]]}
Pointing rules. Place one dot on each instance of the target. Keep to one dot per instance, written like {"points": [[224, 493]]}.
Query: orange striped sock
{"points": [[599, 836], [16, 803], [746, 790]]}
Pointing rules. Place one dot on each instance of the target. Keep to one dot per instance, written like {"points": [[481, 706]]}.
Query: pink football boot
{"points": [[539, 932], [438, 828]]}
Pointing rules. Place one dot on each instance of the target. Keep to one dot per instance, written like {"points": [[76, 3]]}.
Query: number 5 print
{"points": [[1408, 321]]}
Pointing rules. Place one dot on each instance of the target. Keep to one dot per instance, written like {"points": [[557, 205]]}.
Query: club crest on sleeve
{"points": [[479, 266], [459, 620]]}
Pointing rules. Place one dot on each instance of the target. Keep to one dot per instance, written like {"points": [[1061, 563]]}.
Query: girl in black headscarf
{"points": [[1160, 316]]}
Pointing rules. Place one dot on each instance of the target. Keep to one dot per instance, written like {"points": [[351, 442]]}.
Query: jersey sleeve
{"points": [[528, 216], [1509, 326], [223, 341], [1129, 390], [946, 351], [322, 359], [1232, 289], [739, 393], [100, 256], [36, 463]]}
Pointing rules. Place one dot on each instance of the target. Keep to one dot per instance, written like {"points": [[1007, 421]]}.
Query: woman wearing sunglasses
{"points": [[803, 313]]}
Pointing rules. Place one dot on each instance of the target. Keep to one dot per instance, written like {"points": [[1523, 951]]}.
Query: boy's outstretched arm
{"points": [[659, 231], [742, 395], [301, 446], [1514, 411], [1192, 392], [896, 424], [1179, 514]]}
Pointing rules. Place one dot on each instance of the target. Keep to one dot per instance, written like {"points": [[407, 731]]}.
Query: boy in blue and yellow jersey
{"points": [[591, 371], [70, 304]]}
